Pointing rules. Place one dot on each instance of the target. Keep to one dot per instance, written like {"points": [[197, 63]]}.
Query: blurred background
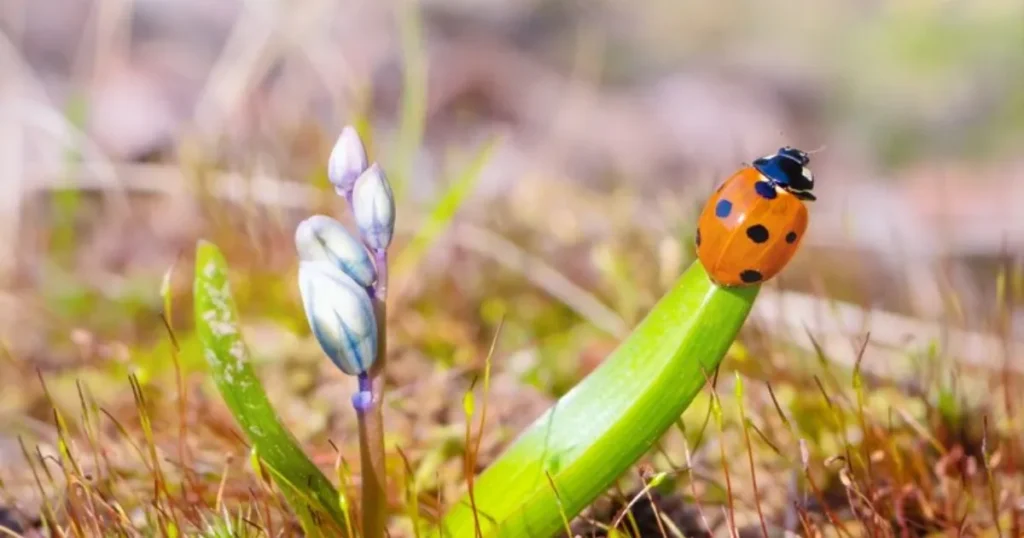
{"points": [[549, 158]]}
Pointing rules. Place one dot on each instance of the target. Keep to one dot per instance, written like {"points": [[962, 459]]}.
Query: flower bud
{"points": [[322, 238], [347, 160], [340, 315], [374, 206], [362, 400]]}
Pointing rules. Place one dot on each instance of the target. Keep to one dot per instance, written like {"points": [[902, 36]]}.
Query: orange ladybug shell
{"points": [[748, 232]]}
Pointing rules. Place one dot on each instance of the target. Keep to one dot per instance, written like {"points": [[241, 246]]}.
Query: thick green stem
{"points": [[610, 419]]}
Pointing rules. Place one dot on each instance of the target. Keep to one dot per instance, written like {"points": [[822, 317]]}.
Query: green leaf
{"points": [[310, 494], [601, 427]]}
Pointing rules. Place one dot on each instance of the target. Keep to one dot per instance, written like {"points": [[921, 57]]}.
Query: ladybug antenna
{"points": [[819, 149]]}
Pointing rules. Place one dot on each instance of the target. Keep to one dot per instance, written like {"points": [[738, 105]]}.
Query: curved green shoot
{"points": [[311, 496], [595, 432]]}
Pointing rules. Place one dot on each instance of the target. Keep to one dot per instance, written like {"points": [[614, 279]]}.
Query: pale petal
{"points": [[322, 238], [374, 206], [340, 314], [347, 160]]}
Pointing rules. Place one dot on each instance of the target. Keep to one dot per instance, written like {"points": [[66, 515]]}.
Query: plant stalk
{"points": [[583, 444], [371, 421]]}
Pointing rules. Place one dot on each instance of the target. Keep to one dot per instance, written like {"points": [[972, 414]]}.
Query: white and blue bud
{"points": [[340, 315], [373, 204], [347, 161], [321, 238]]}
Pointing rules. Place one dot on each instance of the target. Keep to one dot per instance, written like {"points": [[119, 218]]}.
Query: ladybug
{"points": [[755, 221]]}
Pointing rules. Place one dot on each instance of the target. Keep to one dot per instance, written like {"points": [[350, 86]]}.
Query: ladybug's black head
{"points": [[788, 169]]}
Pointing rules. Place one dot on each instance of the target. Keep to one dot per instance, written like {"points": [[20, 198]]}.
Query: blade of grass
{"points": [[343, 472], [750, 453], [412, 502], [441, 215], [304, 486], [414, 95], [610, 419], [159, 480]]}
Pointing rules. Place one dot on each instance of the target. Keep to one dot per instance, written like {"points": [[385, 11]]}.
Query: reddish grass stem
{"points": [[371, 451], [371, 421], [753, 472]]}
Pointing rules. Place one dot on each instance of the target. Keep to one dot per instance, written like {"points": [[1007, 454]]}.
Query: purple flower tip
{"points": [[362, 400]]}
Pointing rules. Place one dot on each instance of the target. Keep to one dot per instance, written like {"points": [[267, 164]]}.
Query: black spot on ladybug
{"points": [[765, 190], [757, 233], [698, 237], [723, 208], [791, 237], [750, 276]]}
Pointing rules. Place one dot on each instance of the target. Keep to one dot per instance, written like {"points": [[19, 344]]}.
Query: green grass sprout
{"points": [[601, 427]]}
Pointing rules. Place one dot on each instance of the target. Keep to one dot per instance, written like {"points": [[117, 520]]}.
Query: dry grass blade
{"points": [[889, 346], [542, 275]]}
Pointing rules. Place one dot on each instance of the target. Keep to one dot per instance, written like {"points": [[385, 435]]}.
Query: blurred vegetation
{"points": [[910, 80], [130, 432]]}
